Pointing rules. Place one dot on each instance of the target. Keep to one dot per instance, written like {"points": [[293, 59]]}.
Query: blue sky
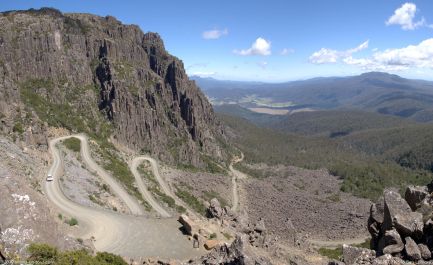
{"points": [[319, 38]]}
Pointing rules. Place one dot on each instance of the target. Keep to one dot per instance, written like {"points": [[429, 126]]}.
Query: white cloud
{"points": [[259, 47], [325, 55], [214, 34], [263, 64], [286, 51], [204, 74], [412, 56], [360, 47], [404, 16]]}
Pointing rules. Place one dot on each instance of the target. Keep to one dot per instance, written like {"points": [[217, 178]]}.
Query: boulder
{"points": [[399, 215], [215, 210], [187, 224], [391, 243], [414, 196], [354, 255], [211, 244], [412, 250], [425, 252], [428, 233], [377, 211], [375, 220], [260, 226]]}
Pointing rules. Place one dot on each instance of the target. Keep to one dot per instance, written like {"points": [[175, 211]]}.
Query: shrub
{"points": [[109, 258], [18, 127], [46, 254], [42, 253], [72, 222], [73, 144]]}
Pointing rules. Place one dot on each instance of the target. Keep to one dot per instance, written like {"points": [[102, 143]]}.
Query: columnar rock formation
{"points": [[89, 65]]}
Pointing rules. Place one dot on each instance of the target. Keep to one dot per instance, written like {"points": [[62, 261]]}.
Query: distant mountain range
{"points": [[374, 92]]}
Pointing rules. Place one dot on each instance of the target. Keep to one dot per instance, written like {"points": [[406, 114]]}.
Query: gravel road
{"points": [[127, 235]]}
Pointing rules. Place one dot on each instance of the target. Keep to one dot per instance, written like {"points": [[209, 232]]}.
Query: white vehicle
{"points": [[50, 177]]}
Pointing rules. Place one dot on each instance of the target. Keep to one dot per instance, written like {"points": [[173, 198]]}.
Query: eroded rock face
{"points": [[97, 65]]}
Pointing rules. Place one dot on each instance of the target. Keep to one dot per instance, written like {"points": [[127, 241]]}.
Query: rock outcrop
{"points": [[86, 73], [401, 230], [239, 253]]}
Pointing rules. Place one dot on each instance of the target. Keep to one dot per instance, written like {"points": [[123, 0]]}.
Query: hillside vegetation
{"points": [[365, 172], [46, 254]]}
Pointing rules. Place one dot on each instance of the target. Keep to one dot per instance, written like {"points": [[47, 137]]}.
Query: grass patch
{"points": [[336, 253], [213, 236], [335, 197], [227, 236], [191, 200], [365, 244], [72, 144], [156, 192]]}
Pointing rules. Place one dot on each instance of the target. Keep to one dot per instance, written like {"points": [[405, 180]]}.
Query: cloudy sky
{"points": [[279, 40]]}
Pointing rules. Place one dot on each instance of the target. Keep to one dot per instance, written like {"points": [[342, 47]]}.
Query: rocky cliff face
{"points": [[79, 71]]}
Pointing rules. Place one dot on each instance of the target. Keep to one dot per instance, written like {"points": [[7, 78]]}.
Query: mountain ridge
{"points": [[373, 91], [108, 75]]}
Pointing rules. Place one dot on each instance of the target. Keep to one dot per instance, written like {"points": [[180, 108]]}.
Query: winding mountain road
{"points": [[236, 174], [142, 187], [127, 235]]}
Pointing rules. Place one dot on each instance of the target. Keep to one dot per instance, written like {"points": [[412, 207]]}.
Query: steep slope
{"points": [[94, 74]]}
